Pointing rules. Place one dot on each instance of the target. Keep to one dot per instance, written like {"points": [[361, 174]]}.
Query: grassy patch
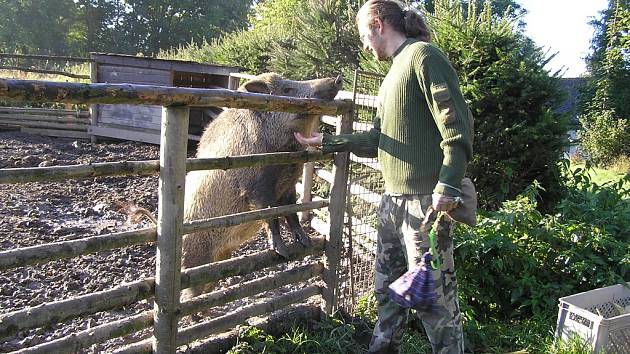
{"points": [[601, 176]]}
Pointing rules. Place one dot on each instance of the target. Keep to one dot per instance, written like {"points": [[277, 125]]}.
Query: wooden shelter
{"points": [[142, 122]]}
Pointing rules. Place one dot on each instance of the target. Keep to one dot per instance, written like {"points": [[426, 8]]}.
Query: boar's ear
{"points": [[257, 86]]}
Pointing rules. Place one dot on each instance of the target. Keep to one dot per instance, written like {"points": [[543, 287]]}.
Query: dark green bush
{"points": [[517, 262], [518, 137], [604, 137]]}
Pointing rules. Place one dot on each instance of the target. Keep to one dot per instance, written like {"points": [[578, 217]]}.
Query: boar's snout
{"points": [[327, 88]]}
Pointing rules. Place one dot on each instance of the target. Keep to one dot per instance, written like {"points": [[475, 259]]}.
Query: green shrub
{"points": [[604, 137], [517, 262], [605, 206]]}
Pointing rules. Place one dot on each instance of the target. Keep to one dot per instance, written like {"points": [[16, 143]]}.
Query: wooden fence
{"points": [[50, 122], [172, 168], [45, 58]]}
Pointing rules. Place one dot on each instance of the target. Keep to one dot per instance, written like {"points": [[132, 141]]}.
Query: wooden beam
{"points": [[46, 111], [260, 214], [59, 173], [66, 249], [355, 189], [129, 293], [174, 141], [150, 167], [230, 320], [93, 108], [336, 211], [257, 286], [24, 256], [54, 312], [247, 264], [50, 91], [75, 342], [45, 57], [74, 134], [46, 125], [255, 160], [276, 324], [43, 118], [43, 71]]}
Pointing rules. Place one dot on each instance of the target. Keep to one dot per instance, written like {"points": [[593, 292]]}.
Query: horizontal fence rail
{"points": [[228, 321], [23, 256], [45, 57], [129, 293], [257, 286], [67, 92], [75, 342], [68, 249], [151, 167]]}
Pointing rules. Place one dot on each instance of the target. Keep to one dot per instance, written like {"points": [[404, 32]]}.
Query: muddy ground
{"points": [[38, 213]]}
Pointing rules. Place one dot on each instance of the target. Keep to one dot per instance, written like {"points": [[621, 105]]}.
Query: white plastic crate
{"points": [[593, 316]]}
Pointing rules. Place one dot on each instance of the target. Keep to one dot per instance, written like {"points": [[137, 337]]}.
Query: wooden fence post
{"points": [[94, 108], [336, 210], [173, 145], [307, 186]]}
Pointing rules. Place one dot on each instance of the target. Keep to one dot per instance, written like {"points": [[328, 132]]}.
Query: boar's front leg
{"points": [[262, 196], [294, 222]]}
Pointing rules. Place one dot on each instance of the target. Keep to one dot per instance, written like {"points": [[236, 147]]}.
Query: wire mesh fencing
{"points": [[365, 187]]}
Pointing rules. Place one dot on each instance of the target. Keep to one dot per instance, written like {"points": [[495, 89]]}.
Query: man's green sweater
{"points": [[423, 127]]}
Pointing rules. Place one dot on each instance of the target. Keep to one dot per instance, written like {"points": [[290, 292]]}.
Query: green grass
{"points": [[601, 176], [334, 336]]}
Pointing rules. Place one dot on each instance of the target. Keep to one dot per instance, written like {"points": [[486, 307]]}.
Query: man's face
{"points": [[371, 38]]}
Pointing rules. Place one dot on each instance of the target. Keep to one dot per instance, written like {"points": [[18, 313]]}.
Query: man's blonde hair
{"points": [[407, 21]]}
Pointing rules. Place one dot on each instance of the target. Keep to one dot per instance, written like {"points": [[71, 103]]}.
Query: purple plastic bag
{"points": [[415, 288]]}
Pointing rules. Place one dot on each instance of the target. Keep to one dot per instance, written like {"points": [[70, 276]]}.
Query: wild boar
{"points": [[217, 192]]}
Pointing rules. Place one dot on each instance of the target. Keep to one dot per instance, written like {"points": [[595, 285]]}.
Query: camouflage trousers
{"points": [[401, 242]]}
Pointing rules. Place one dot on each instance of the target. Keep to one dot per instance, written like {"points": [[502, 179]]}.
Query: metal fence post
{"points": [[173, 144], [336, 210]]}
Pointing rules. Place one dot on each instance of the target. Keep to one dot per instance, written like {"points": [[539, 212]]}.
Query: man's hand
{"points": [[314, 140], [443, 202]]}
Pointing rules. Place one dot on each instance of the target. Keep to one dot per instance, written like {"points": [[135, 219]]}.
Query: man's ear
{"points": [[378, 25], [257, 86]]}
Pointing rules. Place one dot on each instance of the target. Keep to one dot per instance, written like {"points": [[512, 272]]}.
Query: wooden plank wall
{"points": [[50, 122], [142, 122]]}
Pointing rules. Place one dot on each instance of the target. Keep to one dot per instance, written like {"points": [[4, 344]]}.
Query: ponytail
{"points": [[404, 20]]}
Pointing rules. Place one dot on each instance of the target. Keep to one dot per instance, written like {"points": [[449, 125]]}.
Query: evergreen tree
{"points": [[605, 110]]}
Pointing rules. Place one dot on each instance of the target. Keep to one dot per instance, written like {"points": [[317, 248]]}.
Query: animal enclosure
{"points": [[172, 168], [142, 122]]}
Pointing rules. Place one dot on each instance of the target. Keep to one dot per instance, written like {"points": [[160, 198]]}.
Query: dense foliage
{"points": [[76, 27], [536, 258], [518, 137], [298, 38], [605, 109]]}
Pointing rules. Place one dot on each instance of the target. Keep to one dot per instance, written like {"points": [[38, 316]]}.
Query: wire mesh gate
{"points": [[365, 187]]}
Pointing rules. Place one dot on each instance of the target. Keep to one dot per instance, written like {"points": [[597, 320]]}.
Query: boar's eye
{"points": [[288, 91]]}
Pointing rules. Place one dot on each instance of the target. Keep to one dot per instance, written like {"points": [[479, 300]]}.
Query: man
{"points": [[423, 138]]}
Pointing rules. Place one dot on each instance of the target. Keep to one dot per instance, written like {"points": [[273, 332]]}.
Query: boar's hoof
{"points": [[301, 236], [280, 248]]}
